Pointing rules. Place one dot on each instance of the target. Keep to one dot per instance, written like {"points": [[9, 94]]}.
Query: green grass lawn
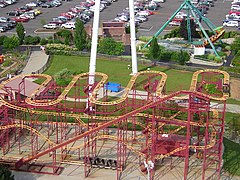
{"points": [[118, 71], [233, 101]]}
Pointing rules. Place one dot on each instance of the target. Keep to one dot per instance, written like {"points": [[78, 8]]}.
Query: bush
{"points": [[60, 47], [230, 34], [211, 57], [228, 48], [174, 56], [174, 33], [2, 39], [43, 41], [33, 40], [10, 43], [6, 63], [217, 59], [110, 46], [144, 38], [165, 56]]}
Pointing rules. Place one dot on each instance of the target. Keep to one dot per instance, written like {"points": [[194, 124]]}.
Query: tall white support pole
{"points": [[93, 57], [133, 38]]}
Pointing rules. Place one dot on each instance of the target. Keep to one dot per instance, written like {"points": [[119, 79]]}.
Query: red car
{"points": [[24, 9], [234, 12], [21, 19], [75, 10], [69, 16]]}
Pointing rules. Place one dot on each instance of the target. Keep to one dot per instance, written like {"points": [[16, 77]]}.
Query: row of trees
{"points": [[79, 39]]}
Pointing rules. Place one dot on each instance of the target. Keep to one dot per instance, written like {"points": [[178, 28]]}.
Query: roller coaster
{"points": [[40, 132]]}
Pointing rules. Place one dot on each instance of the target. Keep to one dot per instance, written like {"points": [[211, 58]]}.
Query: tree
{"points": [[184, 30], [11, 42], [235, 46], [110, 46], [2, 39], [80, 35], [66, 34], [154, 49], [5, 174], [20, 32]]}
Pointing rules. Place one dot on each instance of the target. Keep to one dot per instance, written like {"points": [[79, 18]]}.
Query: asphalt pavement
{"points": [[216, 14]]}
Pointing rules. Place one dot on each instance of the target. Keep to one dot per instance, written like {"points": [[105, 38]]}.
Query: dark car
{"points": [[46, 5], [2, 28], [6, 25], [24, 9], [14, 13], [3, 4]]}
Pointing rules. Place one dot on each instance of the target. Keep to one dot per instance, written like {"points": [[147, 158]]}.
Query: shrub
{"points": [[217, 59], [228, 48], [144, 38], [211, 57], [43, 41], [11, 42], [33, 40], [60, 47], [6, 63], [2, 39], [110, 46], [174, 56]]}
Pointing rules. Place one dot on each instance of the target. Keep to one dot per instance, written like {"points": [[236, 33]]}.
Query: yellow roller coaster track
{"points": [[115, 138]]}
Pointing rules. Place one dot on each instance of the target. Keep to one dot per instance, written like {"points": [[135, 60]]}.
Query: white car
{"points": [[235, 7], [235, 1], [29, 15], [50, 26], [231, 23], [68, 25], [32, 4], [142, 13], [3, 19]]}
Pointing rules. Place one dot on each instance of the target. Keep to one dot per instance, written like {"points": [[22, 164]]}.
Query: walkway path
{"points": [[37, 60]]}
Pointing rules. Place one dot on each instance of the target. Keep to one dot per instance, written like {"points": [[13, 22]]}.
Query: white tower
{"points": [[133, 37], [93, 57]]}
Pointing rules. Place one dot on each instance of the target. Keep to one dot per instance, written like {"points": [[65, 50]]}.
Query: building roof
{"points": [[25, 86]]}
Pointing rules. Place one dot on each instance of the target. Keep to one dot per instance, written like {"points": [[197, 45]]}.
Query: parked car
{"points": [[233, 17], [24, 9], [141, 18], [20, 19], [4, 19], [175, 23], [30, 15], [68, 25], [56, 3], [36, 12], [50, 26], [32, 4], [3, 4], [2, 29], [230, 23], [14, 13], [10, 1], [7, 25], [46, 5], [235, 7]]}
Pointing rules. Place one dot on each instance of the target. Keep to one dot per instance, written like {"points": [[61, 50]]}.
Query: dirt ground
{"points": [[235, 88]]}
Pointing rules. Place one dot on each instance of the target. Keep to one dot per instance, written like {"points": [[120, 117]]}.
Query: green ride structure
{"points": [[196, 14]]}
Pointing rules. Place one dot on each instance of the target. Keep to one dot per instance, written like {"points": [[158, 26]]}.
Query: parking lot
{"points": [[216, 14]]}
